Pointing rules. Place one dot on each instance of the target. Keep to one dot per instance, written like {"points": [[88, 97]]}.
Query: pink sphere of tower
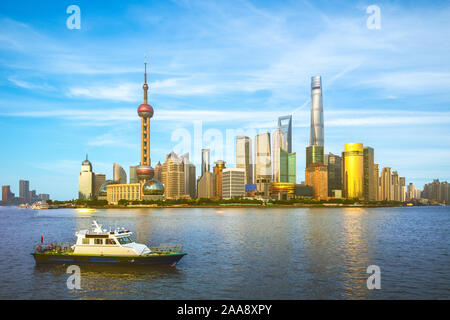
{"points": [[145, 111]]}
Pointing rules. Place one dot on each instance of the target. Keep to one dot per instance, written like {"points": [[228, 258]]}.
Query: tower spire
{"points": [[145, 86]]}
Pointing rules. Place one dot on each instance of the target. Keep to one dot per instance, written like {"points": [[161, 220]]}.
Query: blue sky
{"points": [[217, 69]]}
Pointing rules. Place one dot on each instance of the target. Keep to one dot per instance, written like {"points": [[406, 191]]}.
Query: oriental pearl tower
{"points": [[145, 111]]}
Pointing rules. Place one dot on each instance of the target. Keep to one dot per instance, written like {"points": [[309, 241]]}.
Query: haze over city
{"points": [[236, 65]]}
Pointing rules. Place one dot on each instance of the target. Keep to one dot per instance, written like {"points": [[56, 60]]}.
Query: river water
{"points": [[234, 253]]}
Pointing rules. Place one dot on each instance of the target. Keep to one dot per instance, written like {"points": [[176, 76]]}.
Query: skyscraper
{"points": [[385, 181], [119, 174], [263, 166], [353, 170], [158, 171], [189, 176], [86, 181], [172, 176], [402, 183], [315, 150], [285, 124], [279, 143], [217, 178], [244, 157], [287, 167], [395, 186], [24, 190], [6, 194], [376, 174], [370, 183], [317, 136], [133, 174], [233, 183], [145, 111], [100, 179], [316, 177], [205, 161], [334, 166]]}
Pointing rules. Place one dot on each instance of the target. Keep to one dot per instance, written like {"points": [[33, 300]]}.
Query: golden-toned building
{"points": [[385, 179], [316, 176], [353, 171], [218, 173], [205, 186], [130, 192], [172, 176], [283, 190], [158, 170]]}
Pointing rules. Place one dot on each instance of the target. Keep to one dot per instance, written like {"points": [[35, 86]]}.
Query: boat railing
{"points": [[168, 247], [54, 247]]}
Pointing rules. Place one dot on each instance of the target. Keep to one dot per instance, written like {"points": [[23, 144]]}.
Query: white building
{"points": [[278, 142], [233, 183], [86, 181]]}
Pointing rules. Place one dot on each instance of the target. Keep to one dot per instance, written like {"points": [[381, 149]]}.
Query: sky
{"points": [[217, 69]]}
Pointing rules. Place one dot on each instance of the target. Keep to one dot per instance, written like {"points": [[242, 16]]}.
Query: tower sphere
{"points": [[153, 187], [145, 172], [145, 110]]}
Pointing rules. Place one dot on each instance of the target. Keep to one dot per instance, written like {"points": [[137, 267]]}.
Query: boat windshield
{"points": [[125, 240]]}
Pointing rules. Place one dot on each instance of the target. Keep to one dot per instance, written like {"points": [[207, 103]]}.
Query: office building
{"points": [[233, 183], [100, 179], [385, 182], [217, 176], [86, 181], [172, 176], [370, 180], [263, 165], [353, 171], [402, 182], [376, 175], [285, 124], [206, 162], [24, 191], [158, 170], [205, 186], [244, 157], [316, 176], [189, 177], [278, 144], [43, 197], [119, 174], [133, 174], [287, 172], [334, 166], [395, 187], [7, 195]]}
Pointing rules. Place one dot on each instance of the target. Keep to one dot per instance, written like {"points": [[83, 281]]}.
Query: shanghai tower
{"points": [[316, 138], [315, 151]]}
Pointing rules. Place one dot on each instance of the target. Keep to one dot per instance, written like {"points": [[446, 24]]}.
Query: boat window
{"points": [[98, 241], [85, 241], [125, 240], [110, 241]]}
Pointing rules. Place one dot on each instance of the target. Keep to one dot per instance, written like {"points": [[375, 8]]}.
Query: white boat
{"points": [[113, 247]]}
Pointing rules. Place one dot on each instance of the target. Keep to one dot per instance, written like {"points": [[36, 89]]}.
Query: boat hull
{"points": [[157, 259]]}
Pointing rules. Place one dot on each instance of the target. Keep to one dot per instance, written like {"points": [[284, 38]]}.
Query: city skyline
{"points": [[401, 114]]}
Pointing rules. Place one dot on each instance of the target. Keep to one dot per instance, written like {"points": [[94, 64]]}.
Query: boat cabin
{"points": [[102, 242]]}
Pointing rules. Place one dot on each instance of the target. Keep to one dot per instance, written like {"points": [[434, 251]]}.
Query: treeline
{"points": [[191, 202], [337, 201]]}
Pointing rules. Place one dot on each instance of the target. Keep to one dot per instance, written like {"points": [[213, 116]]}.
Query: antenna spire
{"points": [[145, 86]]}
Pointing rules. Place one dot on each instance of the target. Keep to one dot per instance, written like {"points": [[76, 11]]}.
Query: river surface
{"points": [[249, 253]]}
